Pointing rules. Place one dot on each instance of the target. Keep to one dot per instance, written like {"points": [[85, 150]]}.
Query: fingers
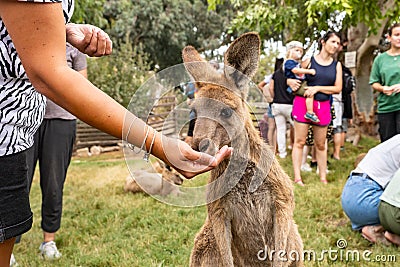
{"points": [[223, 153], [197, 162], [89, 39], [99, 44]]}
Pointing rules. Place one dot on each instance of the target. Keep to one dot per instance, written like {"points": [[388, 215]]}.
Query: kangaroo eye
{"points": [[226, 112]]}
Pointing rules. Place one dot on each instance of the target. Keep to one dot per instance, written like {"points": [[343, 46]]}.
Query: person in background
{"points": [[281, 108], [326, 81], [385, 78], [263, 124], [268, 121], [33, 41], [53, 145], [293, 70], [344, 107], [190, 92], [337, 125], [365, 185]]}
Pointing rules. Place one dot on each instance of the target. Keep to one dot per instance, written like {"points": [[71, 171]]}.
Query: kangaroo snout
{"points": [[207, 146]]}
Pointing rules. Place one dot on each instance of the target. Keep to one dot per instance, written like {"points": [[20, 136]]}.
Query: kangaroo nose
{"points": [[204, 144]]}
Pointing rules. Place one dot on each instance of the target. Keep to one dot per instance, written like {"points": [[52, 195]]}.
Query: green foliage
{"points": [[89, 11], [163, 28], [266, 65], [120, 74], [289, 19]]}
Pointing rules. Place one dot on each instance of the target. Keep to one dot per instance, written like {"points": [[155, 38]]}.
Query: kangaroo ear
{"points": [[200, 69], [242, 57]]}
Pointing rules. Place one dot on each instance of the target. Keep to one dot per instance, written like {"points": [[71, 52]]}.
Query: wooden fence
{"points": [[160, 118], [163, 117]]}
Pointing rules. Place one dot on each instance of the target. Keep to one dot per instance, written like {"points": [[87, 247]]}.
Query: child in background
{"points": [[293, 70]]}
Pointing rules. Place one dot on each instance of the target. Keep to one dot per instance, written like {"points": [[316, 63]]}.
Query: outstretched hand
{"points": [[189, 162], [89, 39]]}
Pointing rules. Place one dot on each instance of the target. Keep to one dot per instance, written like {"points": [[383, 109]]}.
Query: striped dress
{"points": [[21, 107]]}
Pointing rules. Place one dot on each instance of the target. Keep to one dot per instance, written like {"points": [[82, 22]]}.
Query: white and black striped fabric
{"points": [[21, 107]]}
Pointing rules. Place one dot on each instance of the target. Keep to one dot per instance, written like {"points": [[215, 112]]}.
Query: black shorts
{"points": [[15, 212]]}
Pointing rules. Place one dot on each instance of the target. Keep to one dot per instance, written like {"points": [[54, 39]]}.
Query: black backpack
{"points": [[349, 82]]}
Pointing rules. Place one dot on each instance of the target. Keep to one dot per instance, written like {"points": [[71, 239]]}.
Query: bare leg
{"points": [[343, 138], [321, 151], [337, 142], [5, 252], [395, 239], [306, 150], [300, 134], [309, 105], [291, 135], [272, 133], [47, 237]]}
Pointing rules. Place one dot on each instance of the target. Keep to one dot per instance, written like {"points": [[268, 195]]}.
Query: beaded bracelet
{"points": [[143, 146], [131, 146]]}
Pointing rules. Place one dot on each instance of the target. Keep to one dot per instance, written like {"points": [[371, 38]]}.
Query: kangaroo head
{"points": [[220, 106]]}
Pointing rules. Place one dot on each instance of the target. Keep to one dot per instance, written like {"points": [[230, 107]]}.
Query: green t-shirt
{"points": [[391, 194], [386, 71]]}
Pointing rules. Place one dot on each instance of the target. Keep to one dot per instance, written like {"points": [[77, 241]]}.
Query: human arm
{"points": [[271, 88], [293, 83], [88, 39], [39, 35], [298, 71], [387, 90], [261, 85], [83, 73], [334, 89]]}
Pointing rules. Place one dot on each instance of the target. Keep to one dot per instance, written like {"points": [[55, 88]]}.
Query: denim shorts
{"points": [[269, 112], [15, 211], [360, 200]]}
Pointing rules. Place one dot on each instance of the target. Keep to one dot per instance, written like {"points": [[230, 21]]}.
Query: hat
{"points": [[293, 44]]}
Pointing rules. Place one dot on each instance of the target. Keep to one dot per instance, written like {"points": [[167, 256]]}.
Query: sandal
{"points": [[299, 182], [324, 181]]}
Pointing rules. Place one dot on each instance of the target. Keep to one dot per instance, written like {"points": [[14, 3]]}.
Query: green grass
{"points": [[103, 226]]}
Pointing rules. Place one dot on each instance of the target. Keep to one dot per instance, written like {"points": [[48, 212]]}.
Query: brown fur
{"points": [[162, 182], [251, 199]]}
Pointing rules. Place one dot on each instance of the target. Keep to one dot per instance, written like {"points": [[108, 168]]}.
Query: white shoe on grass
{"points": [[305, 167], [49, 251], [13, 262], [327, 171]]}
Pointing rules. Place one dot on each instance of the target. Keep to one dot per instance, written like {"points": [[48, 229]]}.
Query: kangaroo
{"points": [[250, 198], [162, 182]]}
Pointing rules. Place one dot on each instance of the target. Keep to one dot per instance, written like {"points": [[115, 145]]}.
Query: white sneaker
{"points": [[327, 171], [305, 167], [49, 251], [13, 262]]}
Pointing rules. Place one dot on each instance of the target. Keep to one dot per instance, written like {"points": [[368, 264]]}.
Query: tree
{"points": [[365, 23], [164, 27], [90, 11], [148, 34]]}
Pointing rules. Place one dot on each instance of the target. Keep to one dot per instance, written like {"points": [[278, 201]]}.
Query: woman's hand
{"points": [[294, 84], [395, 88], [189, 162], [89, 39], [310, 91]]}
